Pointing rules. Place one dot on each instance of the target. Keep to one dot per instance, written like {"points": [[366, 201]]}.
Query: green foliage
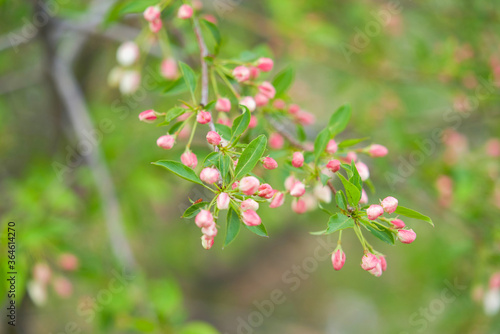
{"points": [[250, 156]]}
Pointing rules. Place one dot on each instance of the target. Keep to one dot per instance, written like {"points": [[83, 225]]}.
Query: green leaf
{"points": [[233, 226], [240, 124], [341, 200], [180, 170], [189, 76], [353, 193], [224, 165], [174, 128], [214, 30], [401, 210], [336, 223], [340, 119], [176, 87], [198, 327], [193, 210], [283, 81], [352, 142], [355, 178], [260, 230], [250, 156], [172, 114], [223, 130], [320, 143], [136, 6], [324, 178], [385, 235], [301, 133], [211, 159]]}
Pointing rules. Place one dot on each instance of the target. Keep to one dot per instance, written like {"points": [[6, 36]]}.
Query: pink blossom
{"points": [[298, 189], [152, 13], [223, 104], [265, 64], [189, 159], [377, 151], [407, 236], [185, 12], [204, 218], [207, 242], [265, 190], [390, 204], [278, 200], [249, 102], [299, 206], [213, 138], [147, 116], [369, 261], [209, 175], [223, 201], [166, 142], [267, 89], [169, 69], [251, 218], [374, 211], [155, 26], [398, 223], [338, 259], [249, 204], [241, 73], [269, 163], [331, 147], [333, 165], [203, 117], [249, 185], [297, 159], [276, 141]]}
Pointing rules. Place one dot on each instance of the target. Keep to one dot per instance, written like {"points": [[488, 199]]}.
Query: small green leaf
{"points": [[214, 30], [260, 230], [355, 178], [336, 223], [173, 114], [340, 119], [180, 170], [301, 133], [176, 87], [224, 165], [401, 210], [193, 210], [385, 235], [189, 76], [353, 193], [137, 6], [240, 124], [250, 156], [211, 159], [341, 200], [223, 130], [324, 178], [352, 142], [233, 226], [283, 81], [320, 143]]}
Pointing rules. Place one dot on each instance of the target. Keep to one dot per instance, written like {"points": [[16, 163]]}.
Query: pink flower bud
{"points": [[294, 109], [148, 116], [363, 170], [185, 12], [261, 100], [299, 206], [249, 102], [127, 53], [269, 163], [267, 89], [204, 219], [305, 118], [278, 200], [152, 13], [333, 165], [189, 159], [290, 181], [377, 271], [298, 189], [166, 142], [374, 211], [129, 82], [62, 287], [213, 138], [223, 104], [407, 236], [223, 201], [254, 72], [297, 159], [279, 104], [236, 184], [351, 156], [207, 242], [224, 120], [265, 64], [493, 148], [209, 175], [42, 273], [68, 262], [249, 204], [251, 218], [249, 185], [265, 190], [169, 69], [155, 26], [364, 197], [241, 73], [331, 147], [210, 231], [389, 204], [338, 259], [495, 281], [203, 117], [197, 4], [369, 261], [377, 151], [276, 141], [398, 223], [383, 262], [323, 193], [253, 122]]}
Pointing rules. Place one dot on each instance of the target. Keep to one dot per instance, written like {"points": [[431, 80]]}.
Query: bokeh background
{"points": [[424, 82]]}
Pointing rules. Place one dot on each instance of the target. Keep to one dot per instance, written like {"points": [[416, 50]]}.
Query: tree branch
{"points": [[282, 131]]}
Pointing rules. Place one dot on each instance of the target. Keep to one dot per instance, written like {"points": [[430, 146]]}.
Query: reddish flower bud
{"points": [[323, 193], [299, 206], [383, 262], [209, 175], [203, 117], [333, 165], [213, 138], [236, 184], [261, 100], [42, 273], [249, 102], [166, 142], [305, 118], [278, 200], [493, 148], [265, 190], [62, 287], [253, 122], [377, 271], [369, 261], [495, 281], [204, 219], [254, 72], [152, 13], [407, 236], [241, 73], [298, 189], [374, 211], [68, 262], [223, 104], [207, 242], [251, 218], [377, 151], [276, 141], [351, 156], [210, 231], [223, 201], [148, 116], [294, 109], [169, 69], [185, 12], [398, 223], [290, 181], [297, 159], [249, 185], [269, 163], [364, 197], [331, 147], [224, 120], [249, 204], [338, 259], [389, 204], [265, 64], [127, 53], [155, 26], [189, 159], [267, 89], [279, 104], [363, 170]]}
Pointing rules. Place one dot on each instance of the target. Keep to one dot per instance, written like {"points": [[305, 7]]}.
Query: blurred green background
{"points": [[425, 83]]}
